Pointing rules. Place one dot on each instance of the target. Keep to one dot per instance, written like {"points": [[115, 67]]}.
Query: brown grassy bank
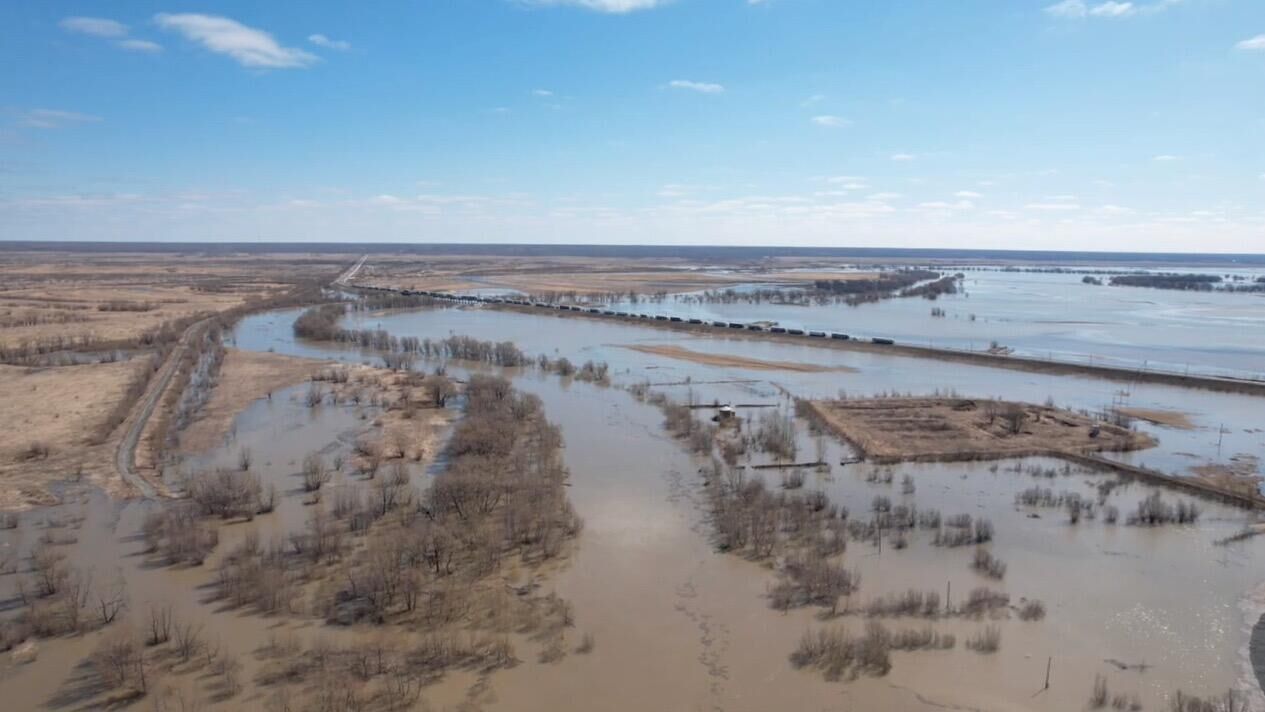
{"points": [[728, 361]]}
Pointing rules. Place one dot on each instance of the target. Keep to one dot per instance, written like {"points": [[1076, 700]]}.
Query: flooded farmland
{"points": [[652, 510], [1040, 315], [662, 603]]}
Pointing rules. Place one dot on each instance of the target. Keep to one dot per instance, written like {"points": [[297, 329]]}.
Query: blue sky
{"points": [[1089, 124]]}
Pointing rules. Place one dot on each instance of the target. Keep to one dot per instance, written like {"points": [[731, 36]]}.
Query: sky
{"points": [[991, 124]]}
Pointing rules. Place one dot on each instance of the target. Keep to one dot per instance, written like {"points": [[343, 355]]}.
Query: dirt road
{"points": [[125, 459]]}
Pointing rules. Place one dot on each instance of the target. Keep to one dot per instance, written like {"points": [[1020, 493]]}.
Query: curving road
{"points": [[125, 457]]}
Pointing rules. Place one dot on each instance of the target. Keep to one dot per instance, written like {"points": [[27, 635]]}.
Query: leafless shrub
{"points": [[984, 601], [1031, 610], [960, 530], [178, 535], [120, 661], [187, 638], [793, 479], [225, 493], [315, 395], [587, 644], [1154, 511], [775, 434], [911, 602], [836, 652], [1099, 695], [243, 459], [440, 388], [49, 571], [160, 619], [315, 473], [985, 563], [1231, 701], [986, 641], [110, 599], [811, 579], [922, 639]]}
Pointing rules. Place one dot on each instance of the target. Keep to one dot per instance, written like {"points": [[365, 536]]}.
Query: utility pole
{"points": [[1048, 664]]}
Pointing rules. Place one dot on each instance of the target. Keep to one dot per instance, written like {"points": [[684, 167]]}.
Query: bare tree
{"points": [[160, 619], [188, 639], [111, 599], [315, 473], [440, 388]]}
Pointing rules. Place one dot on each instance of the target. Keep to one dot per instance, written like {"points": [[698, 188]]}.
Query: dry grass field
{"points": [[109, 299], [945, 429], [584, 275], [729, 361], [83, 335], [52, 419]]}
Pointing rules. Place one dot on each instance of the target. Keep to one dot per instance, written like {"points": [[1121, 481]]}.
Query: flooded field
{"points": [[1225, 424], [1152, 609], [648, 516], [1040, 315]]}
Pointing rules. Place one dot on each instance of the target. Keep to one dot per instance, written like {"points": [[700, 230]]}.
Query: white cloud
{"points": [[1113, 9], [681, 190], [815, 98], [943, 205], [968, 194], [1068, 8], [250, 47], [95, 26], [1053, 206], [108, 29], [322, 41], [541, 92], [140, 46], [829, 121], [617, 7], [701, 87], [55, 118], [1164, 158], [1256, 44], [884, 196], [1079, 9], [902, 156], [1113, 210], [849, 182]]}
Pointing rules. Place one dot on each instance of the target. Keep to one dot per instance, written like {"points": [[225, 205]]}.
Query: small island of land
{"points": [[888, 430]]}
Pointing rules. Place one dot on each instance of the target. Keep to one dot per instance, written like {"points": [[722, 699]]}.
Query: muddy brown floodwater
{"points": [[665, 606], [678, 625]]}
